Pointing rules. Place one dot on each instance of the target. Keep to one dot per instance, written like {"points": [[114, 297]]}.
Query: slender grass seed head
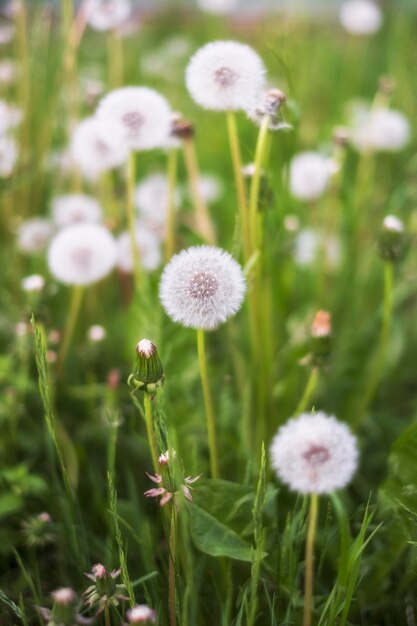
{"points": [[138, 116], [108, 14], [82, 254], [75, 208], [314, 453], [309, 175], [360, 17], [201, 287], [225, 76]]}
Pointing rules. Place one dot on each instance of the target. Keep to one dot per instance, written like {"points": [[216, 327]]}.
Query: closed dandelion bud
{"points": [[64, 608], [148, 371], [104, 591], [391, 243], [321, 337]]}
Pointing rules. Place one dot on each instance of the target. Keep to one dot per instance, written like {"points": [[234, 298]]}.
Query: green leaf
{"points": [[214, 538], [10, 503]]}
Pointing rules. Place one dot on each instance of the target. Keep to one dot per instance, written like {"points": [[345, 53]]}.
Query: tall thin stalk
{"points": [[308, 391], [115, 59], [172, 170], [239, 182], [260, 153], [73, 313], [208, 403], [171, 567], [203, 223], [150, 430], [131, 218], [309, 560]]}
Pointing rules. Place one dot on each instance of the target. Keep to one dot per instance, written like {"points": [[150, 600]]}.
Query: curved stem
{"points": [[172, 166], [75, 305], [150, 431], [171, 568], [239, 181], [211, 428], [260, 153], [203, 222], [131, 221], [309, 560], [308, 391]]}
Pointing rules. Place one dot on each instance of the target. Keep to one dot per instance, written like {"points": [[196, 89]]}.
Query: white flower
{"points": [[201, 287], [7, 32], [360, 17], [32, 283], [393, 224], [8, 71], [148, 246], [34, 234], [108, 14], [310, 244], [8, 156], [10, 117], [75, 208], [96, 333], [382, 129], [93, 150], [314, 453], [140, 614], [225, 76], [138, 116], [309, 175], [82, 254], [218, 7]]}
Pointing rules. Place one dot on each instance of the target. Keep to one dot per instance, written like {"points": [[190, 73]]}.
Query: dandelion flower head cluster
{"points": [[314, 453], [360, 17], [73, 208], [225, 76], [108, 14]]}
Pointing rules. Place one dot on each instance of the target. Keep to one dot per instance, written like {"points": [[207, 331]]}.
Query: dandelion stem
{"points": [[74, 310], [137, 270], [107, 615], [239, 181], [260, 153], [308, 391], [309, 560], [115, 59], [171, 568], [214, 465], [203, 222], [150, 430], [172, 166]]}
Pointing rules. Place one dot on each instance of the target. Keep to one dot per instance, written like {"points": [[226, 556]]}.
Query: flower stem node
{"points": [[391, 242], [148, 372]]}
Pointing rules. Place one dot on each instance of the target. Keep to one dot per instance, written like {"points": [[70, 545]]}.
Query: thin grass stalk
{"points": [[73, 313], [309, 560], [208, 403], [308, 391], [171, 568], [131, 220], [115, 59], [260, 154], [203, 223], [239, 182], [259, 539], [172, 168], [150, 430], [22, 45]]}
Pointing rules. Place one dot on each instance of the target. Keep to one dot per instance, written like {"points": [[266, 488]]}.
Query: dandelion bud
{"points": [[64, 609], [141, 614], [391, 239], [321, 334], [37, 530], [105, 591], [148, 371]]}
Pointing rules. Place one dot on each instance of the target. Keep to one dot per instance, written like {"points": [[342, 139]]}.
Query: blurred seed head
{"points": [[360, 17], [33, 283], [141, 614]]}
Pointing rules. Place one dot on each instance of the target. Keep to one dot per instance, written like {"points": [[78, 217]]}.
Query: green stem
{"points": [[203, 222], [74, 310], [150, 431], [308, 391], [107, 615], [309, 560], [172, 166], [115, 59], [211, 428], [171, 569], [239, 181], [260, 153], [131, 221]]}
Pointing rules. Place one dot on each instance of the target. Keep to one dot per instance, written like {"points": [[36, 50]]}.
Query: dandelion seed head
{"points": [[7, 33], [393, 223], [151, 200], [34, 234], [96, 333], [149, 247], [82, 254], [75, 208], [108, 14], [309, 175], [225, 76], [10, 116], [138, 116], [94, 150], [201, 287], [140, 614], [33, 283], [314, 453], [9, 70], [218, 7], [381, 129], [360, 17]]}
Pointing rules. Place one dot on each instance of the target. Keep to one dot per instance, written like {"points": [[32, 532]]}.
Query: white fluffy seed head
{"points": [[140, 614], [138, 116], [311, 244], [93, 149], [218, 7], [33, 283], [393, 224], [385, 130], [149, 248], [225, 76], [108, 14], [201, 287], [309, 175], [151, 199], [9, 154], [314, 453], [82, 254], [75, 208], [34, 234], [10, 117], [360, 17]]}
